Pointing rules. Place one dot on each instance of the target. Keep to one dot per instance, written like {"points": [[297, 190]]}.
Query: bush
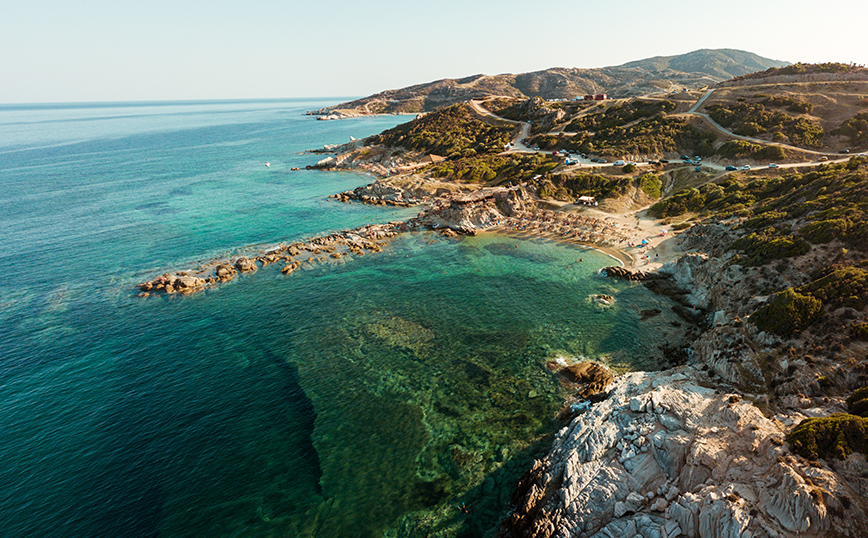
{"points": [[752, 119], [678, 204], [650, 185], [834, 436], [857, 403], [762, 248], [787, 312], [628, 168], [842, 285], [860, 331], [856, 129], [454, 132]]}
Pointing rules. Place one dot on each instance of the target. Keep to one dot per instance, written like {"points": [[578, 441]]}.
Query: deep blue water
{"points": [[362, 398]]}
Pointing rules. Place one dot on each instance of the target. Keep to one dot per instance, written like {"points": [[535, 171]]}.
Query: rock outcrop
{"points": [[663, 456]]}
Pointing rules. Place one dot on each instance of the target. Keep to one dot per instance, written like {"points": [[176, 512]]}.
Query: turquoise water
{"points": [[364, 397]]}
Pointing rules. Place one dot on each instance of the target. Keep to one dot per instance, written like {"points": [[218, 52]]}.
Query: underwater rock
{"points": [[593, 376], [290, 267], [650, 313]]}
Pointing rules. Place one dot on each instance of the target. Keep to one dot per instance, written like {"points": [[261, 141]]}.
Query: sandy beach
{"points": [[620, 236]]}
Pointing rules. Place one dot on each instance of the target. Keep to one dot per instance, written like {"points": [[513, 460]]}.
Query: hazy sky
{"points": [[112, 50]]}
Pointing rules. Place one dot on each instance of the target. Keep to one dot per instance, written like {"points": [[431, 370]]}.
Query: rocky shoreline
{"points": [[664, 456], [694, 451], [299, 254], [698, 450]]}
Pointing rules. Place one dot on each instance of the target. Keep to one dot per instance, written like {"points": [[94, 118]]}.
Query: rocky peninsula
{"points": [[759, 430]]}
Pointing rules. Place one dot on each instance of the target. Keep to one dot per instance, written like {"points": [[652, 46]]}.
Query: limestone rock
{"points": [[245, 265], [224, 272], [714, 467], [593, 376]]}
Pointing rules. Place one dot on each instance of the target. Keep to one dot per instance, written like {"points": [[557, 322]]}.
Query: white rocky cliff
{"points": [[663, 457]]}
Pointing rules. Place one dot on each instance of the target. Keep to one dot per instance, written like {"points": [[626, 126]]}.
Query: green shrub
{"points": [[824, 231], [857, 403], [454, 132], [678, 204], [860, 331], [856, 129], [762, 248], [787, 312], [834, 436], [840, 285], [628, 168], [650, 185]]}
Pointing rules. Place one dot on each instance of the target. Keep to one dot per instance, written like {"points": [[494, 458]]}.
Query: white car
{"points": [[746, 167], [618, 163], [773, 165]]}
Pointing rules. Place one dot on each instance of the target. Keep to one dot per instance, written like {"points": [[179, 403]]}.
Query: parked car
{"points": [[618, 163], [746, 167], [773, 165], [602, 161], [823, 158], [730, 168], [685, 158], [844, 151], [697, 158], [664, 161], [595, 160]]}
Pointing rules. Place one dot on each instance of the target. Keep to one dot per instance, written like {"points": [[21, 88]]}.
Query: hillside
{"points": [[693, 70], [718, 63]]}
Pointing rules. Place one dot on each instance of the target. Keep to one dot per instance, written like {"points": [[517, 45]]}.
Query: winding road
{"points": [[519, 147]]}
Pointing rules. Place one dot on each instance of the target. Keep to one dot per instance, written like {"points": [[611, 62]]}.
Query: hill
{"points": [[693, 70], [717, 63]]}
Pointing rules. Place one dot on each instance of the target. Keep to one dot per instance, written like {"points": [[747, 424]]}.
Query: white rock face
{"points": [[663, 456]]}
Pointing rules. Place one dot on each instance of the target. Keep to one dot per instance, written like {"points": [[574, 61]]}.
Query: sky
{"points": [[100, 50]]}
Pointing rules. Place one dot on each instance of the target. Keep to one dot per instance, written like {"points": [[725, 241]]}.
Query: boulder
{"points": [[245, 265], [594, 376], [188, 283], [224, 272], [289, 268]]}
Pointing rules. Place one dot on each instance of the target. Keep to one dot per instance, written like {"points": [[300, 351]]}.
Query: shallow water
{"points": [[362, 397]]}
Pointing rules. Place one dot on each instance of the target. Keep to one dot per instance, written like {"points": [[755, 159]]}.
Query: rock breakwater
{"points": [[309, 252]]}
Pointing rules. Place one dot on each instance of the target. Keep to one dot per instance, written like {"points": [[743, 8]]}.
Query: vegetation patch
{"points": [[805, 69], [835, 436], [568, 187], [795, 309], [752, 119], [860, 331], [620, 115], [650, 185], [454, 132], [825, 204], [787, 312], [857, 403], [793, 105], [742, 148], [856, 129], [769, 245], [844, 286], [494, 168]]}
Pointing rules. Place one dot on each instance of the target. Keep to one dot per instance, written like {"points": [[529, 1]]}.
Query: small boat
{"points": [[267, 164]]}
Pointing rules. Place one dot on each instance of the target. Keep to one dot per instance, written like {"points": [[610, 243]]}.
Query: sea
{"points": [[400, 393]]}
